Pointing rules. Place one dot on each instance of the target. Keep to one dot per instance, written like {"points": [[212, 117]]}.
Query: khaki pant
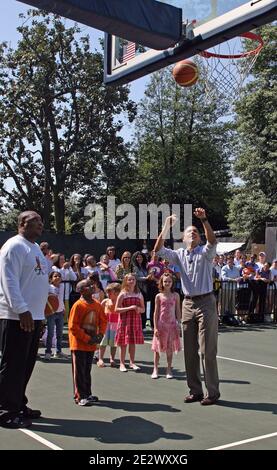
{"points": [[200, 328]]}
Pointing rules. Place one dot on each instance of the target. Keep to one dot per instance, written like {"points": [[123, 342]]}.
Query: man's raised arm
{"points": [[169, 222], [209, 233]]}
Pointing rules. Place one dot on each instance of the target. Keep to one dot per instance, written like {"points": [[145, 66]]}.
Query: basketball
{"points": [[185, 73], [52, 305]]}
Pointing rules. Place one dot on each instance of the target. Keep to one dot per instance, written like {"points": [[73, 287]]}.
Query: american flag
{"points": [[129, 51]]}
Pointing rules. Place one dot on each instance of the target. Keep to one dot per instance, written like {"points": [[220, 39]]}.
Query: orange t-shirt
{"points": [[81, 314]]}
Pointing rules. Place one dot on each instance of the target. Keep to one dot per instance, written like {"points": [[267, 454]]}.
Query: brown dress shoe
{"points": [[192, 398], [209, 400]]}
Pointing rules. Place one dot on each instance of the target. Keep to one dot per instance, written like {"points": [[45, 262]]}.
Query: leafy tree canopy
{"points": [[182, 148], [254, 202], [59, 125]]}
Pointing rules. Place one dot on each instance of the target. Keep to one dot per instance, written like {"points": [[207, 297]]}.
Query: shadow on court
{"points": [[140, 407], [147, 368], [238, 382], [124, 430], [268, 407], [258, 327]]}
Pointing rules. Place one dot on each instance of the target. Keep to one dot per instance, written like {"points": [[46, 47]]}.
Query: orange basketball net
{"points": [[225, 68]]}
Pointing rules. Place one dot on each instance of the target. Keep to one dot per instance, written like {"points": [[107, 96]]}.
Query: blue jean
{"points": [[58, 320]]}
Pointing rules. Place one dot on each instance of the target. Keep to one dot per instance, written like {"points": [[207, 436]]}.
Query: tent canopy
{"points": [[228, 247], [221, 247]]}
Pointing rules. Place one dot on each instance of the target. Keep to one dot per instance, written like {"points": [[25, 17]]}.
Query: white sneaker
{"points": [[60, 355], [169, 376], [154, 375], [85, 402], [48, 356]]}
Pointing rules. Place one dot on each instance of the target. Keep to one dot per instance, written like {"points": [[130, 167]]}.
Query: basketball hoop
{"points": [[226, 69]]}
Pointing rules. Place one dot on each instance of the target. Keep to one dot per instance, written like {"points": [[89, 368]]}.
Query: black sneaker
{"points": [[16, 422], [93, 398], [31, 414]]}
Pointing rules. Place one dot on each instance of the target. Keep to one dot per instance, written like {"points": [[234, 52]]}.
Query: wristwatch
{"points": [[204, 219]]}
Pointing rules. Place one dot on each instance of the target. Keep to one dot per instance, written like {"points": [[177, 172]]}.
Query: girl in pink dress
{"points": [[167, 316], [130, 306]]}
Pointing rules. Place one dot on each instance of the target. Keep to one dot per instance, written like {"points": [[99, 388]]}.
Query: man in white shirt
{"points": [[237, 258], [262, 259], [230, 275], [23, 295]]}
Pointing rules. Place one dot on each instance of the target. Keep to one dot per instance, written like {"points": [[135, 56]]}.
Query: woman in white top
{"points": [[91, 266], [76, 265], [113, 260]]}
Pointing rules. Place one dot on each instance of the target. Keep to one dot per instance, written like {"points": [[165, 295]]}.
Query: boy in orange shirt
{"points": [[86, 327]]}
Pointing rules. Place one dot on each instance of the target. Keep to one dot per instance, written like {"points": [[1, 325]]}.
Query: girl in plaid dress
{"points": [[130, 306]]}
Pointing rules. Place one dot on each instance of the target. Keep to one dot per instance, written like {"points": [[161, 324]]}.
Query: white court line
{"points": [[40, 439], [246, 362], [245, 441], [54, 447], [253, 439], [237, 360]]}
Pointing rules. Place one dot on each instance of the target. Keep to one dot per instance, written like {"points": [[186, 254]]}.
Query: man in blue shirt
{"points": [[199, 315]]}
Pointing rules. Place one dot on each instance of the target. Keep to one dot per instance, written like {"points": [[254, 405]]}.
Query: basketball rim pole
{"points": [[189, 24]]}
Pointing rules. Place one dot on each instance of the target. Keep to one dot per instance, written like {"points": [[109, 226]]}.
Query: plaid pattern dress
{"points": [[129, 327]]}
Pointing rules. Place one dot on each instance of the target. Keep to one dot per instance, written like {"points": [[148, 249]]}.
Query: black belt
{"points": [[196, 297]]}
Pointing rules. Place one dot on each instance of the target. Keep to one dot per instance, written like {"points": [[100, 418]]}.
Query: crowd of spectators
{"points": [[241, 282], [245, 285]]}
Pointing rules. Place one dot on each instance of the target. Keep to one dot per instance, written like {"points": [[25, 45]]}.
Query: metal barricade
{"points": [[252, 301]]}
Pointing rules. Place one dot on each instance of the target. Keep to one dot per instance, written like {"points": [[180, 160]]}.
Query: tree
{"points": [[8, 220], [181, 148], [59, 124], [254, 201]]}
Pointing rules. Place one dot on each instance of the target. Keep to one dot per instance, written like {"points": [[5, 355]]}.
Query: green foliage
{"points": [[255, 200], [59, 124], [8, 219], [182, 148]]}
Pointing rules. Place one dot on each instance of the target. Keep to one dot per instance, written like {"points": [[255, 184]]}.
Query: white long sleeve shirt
{"points": [[23, 279], [67, 275]]}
